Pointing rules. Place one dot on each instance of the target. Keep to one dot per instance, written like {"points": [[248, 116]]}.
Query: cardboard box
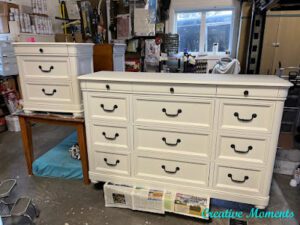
{"points": [[68, 38], [286, 141], [5, 8], [4, 11], [4, 28]]}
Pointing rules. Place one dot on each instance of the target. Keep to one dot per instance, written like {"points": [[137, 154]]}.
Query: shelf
{"points": [[38, 14]]}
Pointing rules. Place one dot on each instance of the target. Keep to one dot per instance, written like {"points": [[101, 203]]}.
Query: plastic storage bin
{"points": [[12, 123]]}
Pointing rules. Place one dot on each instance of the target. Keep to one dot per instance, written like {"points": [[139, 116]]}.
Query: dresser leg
{"points": [[260, 206], [78, 115]]}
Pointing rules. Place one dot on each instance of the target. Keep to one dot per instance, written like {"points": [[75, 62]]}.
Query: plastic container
{"points": [[12, 123]]}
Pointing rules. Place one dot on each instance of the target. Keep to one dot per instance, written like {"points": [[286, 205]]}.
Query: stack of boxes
{"points": [[8, 62], [4, 15], [16, 19]]}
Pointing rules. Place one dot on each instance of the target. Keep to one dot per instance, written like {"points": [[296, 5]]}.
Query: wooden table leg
{"points": [[27, 142], [83, 152]]}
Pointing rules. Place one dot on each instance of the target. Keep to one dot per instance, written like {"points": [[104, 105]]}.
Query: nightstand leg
{"points": [[27, 142]]}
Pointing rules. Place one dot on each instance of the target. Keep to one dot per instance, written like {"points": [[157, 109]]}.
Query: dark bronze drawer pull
{"points": [[172, 115], [111, 138], [170, 172], [111, 164], [107, 87], [246, 93], [46, 71], [254, 115], [171, 144], [49, 94], [238, 181], [239, 151], [109, 110], [172, 90], [41, 50]]}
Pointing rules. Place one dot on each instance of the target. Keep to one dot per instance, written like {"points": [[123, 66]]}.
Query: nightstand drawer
{"points": [[54, 93], [109, 107], [45, 67], [238, 180], [172, 171], [174, 112], [159, 140], [41, 49], [112, 163], [247, 115], [110, 137]]}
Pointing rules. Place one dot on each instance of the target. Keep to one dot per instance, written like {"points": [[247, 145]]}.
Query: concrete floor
{"points": [[69, 202]]}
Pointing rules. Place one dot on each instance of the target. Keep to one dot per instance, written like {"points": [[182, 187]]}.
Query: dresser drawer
{"points": [[237, 180], [247, 92], [175, 89], [108, 87], [112, 163], [174, 112], [109, 107], [247, 115], [172, 171], [147, 139], [110, 137], [41, 50], [56, 93], [242, 148], [48, 67]]}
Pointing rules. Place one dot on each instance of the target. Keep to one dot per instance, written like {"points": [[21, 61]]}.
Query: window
{"points": [[188, 28], [199, 31]]}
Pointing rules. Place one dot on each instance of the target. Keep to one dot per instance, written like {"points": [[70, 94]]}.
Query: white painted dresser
{"points": [[48, 75], [213, 135]]}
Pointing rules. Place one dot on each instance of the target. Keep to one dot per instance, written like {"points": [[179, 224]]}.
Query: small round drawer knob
{"points": [[41, 50], [107, 87], [172, 90], [246, 93]]}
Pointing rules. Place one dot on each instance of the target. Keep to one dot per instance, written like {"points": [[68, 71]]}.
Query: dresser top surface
{"points": [[22, 44], [207, 79]]}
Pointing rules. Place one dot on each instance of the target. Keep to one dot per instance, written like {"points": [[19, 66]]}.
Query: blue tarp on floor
{"points": [[57, 162]]}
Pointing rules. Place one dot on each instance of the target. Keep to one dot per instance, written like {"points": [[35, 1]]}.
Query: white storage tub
{"points": [[12, 123], [7, 69]]}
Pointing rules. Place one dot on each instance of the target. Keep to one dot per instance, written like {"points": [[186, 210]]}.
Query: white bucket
{"points": [[12, 123]]}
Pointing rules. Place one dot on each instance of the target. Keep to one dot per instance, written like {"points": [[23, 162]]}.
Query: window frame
{"points": [[203, 30]]}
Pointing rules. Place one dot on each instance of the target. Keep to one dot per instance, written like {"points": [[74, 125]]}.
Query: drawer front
{"points": [[112, 163], [194, 113], [49, 67], [109, 87], [41, 50], [248, 149], [250, 116], [239, 180], [175, 89], [165, 170], [173, 141], [110, 137], [56, 93], [109, 107], [246, 92]]}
